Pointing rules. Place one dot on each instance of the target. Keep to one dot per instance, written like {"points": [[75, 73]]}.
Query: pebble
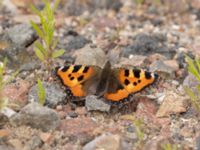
{"points": [[172, 104], [54, 94], [22, 35], [162, 68], [36, 116], [105, 141], [92, 103]]}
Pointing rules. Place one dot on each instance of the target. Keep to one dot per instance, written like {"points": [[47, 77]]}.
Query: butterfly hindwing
{"points": [[129, 81], [74, 77]]}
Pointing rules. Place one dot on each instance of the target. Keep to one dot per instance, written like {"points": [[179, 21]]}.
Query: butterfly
{"points": [[114, 84]]}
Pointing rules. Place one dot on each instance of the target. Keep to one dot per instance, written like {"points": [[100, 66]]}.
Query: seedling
{"points": [[41, 92], [194, 69], [45, 48]]}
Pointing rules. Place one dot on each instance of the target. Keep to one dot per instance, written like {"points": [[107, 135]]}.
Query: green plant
{"points": [[45, 48], [4, 82], [169, 146], [41, 92], [140, 2], [139, 131], [194, 69]]}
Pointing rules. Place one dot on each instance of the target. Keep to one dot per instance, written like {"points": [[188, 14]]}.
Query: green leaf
{"points": [[55, 42], [197, 61], [39, 54], [3, 102], [192, 68], [35, 10], [40, 47], [58, 53], [41, 92], [37, 29]]}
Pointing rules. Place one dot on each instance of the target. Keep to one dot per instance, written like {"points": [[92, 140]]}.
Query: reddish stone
{"points": [[46, 137], [81, 111], [147, 109], [81, 129], [17, 93]]}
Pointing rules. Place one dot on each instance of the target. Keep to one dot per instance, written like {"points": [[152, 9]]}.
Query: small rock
{"points": [[45, 137], [172, 63], [92, 103], [8, 112], [72, 41], [172, 104], [17, 93], [105, 141], [22, 35], [81, 111], [89, 55], [146, 109], [149, 44], [161, 67], [36, 116], [54, 94], [73, 114], [80, 128]]}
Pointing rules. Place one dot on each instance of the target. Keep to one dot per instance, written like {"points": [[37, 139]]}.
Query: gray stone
{"points": [[92, 103], [36, 116], [54, 94], [145, 44], [91, 55], [8, 112], [22, 35], [161, 67], [72, 42]]}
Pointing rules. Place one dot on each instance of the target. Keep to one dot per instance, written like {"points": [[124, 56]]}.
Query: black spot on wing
{"points": [[80, 78], [136, 73], [134, 83], [76, 68], [147, 75], [85, 69], [126, 82], [139, 81], [65, 68], [72, 78], [126, 73], [69, 75]]}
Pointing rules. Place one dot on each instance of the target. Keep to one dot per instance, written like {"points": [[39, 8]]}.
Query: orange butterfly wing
{"points": [[73, 76], [130, 81]]}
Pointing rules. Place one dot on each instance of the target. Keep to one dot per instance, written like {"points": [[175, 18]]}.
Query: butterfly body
{"points": [[114, 84]]}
